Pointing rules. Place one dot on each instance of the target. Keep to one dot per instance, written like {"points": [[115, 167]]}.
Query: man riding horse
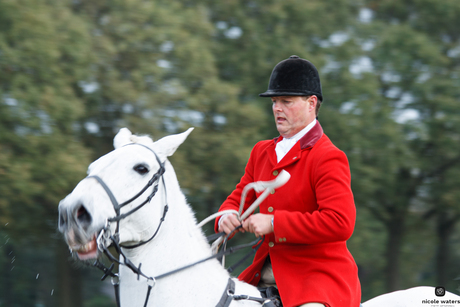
{"points": [[306, 222]]}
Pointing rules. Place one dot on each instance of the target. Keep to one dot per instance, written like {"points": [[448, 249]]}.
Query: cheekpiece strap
{"points": [[227, 296], [107, 190]]}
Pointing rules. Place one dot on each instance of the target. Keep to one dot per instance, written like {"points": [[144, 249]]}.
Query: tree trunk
{"points": [[395, 230], [445, 228], [70, 292]]}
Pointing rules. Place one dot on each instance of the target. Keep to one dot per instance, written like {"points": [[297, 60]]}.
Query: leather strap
{"points": [[227, 296]]}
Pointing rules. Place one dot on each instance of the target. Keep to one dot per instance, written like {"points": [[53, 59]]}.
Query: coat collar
{"points": [[309, 139]]}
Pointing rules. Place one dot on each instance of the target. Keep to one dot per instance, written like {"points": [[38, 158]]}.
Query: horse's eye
{"points": [[141, 169]]}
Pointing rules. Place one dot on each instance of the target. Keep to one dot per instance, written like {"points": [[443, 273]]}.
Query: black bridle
{"points": [[106, 239], [117, 207]]}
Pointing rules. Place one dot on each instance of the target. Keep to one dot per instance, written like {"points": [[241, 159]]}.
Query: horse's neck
{"points": [[200, 283], [178, 243]]}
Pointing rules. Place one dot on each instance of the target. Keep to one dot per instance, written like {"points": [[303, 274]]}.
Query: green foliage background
{"points": [[73, 72]]}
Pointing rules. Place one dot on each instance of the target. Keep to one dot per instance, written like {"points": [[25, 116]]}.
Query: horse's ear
{"points": [[167, 146], [122, 138]]}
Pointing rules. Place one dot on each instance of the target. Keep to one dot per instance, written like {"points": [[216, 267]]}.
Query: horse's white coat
{"points": [[178, 242]]}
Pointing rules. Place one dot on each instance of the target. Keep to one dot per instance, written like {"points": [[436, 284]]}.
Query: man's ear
{"points": [[312, 101]]}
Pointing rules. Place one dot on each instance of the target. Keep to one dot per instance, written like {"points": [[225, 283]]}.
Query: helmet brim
{"points": [[287, 93]]}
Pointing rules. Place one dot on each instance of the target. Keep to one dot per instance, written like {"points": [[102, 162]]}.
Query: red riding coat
{"points": [[314, 215]]}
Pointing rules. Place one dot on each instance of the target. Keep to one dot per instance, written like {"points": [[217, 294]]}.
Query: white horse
{"points": [[85, 212], [156, 232]]}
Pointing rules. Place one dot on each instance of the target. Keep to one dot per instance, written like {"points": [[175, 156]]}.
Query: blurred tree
{"points": [[417, 60], [77, 71], [376, 63], [252, 36], [155, 73], [396, 94], [43, 54]]}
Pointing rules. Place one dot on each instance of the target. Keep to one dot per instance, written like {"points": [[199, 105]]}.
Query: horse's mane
{"points": [[141, 139], [125, 137]]}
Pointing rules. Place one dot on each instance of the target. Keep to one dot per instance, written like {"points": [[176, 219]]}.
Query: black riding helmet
{"points": [[294, 77]]}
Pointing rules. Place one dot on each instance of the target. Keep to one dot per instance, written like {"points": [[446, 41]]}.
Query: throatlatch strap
{"points": [[116, 287]]}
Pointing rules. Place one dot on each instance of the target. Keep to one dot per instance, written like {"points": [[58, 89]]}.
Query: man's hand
{"points": [[228, 223], [259, 224]]}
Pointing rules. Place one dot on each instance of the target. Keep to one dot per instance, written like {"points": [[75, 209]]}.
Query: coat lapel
{"points": [[306, 142]]}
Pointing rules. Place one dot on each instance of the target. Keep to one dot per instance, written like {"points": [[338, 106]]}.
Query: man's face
{"points": [[293, 113]]}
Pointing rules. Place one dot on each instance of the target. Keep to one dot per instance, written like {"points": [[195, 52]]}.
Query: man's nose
{"points": [[277, 106]]}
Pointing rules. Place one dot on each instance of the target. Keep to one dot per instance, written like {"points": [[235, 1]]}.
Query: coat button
{"points": [[271, 244], [270, 209], [272, 191], [275, 173]]}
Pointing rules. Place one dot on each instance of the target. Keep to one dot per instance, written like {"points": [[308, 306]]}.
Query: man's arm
{"points": [[228, 222], [335, 217]]}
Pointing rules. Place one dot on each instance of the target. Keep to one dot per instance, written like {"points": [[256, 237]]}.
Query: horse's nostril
{"points": [[83, 216]]}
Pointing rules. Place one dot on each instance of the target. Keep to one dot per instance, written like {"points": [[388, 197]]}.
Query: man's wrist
{"points": [[222, 218]]}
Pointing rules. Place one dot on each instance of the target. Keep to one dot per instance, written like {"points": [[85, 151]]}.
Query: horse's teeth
{"points": [[83, 248], [86, 247]]}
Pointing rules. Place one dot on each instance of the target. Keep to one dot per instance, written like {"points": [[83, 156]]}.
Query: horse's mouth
{"points": [[85, 251]]}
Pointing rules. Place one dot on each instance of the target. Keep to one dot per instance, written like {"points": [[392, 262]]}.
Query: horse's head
{"points": [[117, 190]]}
